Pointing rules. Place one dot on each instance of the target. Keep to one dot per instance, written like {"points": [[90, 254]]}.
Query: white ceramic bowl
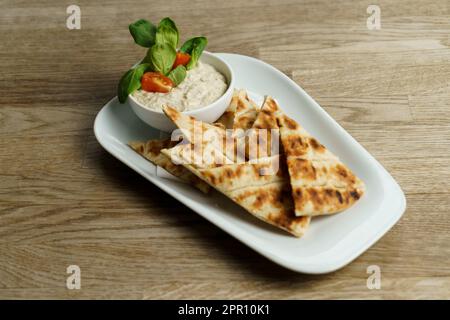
{"points": [[208, 113]]}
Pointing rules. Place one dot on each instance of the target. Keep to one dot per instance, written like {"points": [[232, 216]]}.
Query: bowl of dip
{"points": [[205, 94]]}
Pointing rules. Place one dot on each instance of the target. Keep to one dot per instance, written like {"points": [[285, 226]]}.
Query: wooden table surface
{"points": [[65, 201]]}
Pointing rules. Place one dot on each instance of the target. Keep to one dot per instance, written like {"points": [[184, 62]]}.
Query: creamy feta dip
{"points": [[202, 86]]}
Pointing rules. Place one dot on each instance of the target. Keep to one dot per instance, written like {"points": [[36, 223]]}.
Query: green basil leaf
{"points": [[167, 35], [177, 75], [169, 23], [131, 81], [167, 32], [143, 32], [194, 47], [148, 59], [187, 46], [162, 57]]}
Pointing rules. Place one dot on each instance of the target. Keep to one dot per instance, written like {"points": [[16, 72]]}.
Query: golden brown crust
{"points": [[231, 177], [245, 112], [241, 113], [226, 119], [326, 200], [265, 196], [151, 150], [272, 204], [321, 184], [195, 131], [245, 121], [259, 142]]}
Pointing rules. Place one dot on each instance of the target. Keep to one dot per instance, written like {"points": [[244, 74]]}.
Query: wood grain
{"points": [[63, 200]]}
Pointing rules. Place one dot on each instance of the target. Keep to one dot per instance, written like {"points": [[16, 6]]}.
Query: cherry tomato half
{"points": [[156, 82], [181, 59]]}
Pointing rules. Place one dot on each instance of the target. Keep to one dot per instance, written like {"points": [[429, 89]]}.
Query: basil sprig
{"points": [[167, 32], [143, 32], [162, 42], [194, 47], [162, 57], [131, 81]]}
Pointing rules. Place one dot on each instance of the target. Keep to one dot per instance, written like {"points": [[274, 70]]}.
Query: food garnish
{"points": [[168, 65], [194, 47], [182, 59], [131, 81], [156, 82]]}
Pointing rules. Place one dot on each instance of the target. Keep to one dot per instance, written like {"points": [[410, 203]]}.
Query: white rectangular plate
{"points": [[331, 242]]}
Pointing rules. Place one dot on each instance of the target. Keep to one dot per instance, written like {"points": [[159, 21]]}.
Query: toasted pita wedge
{"points": [[272, 204], [268, 197], [194, 130], [260, 141], [227, 118], [199, 158], [245, 112], [203, 135], [151, 150], [321, 184], [265, 196], [241, 113]]}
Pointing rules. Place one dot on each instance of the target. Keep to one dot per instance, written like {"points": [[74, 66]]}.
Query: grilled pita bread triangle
{"points": [[241, 113], [265, 196], [260, 141], [204, 135], [227, 118], [200, 158], [321, 183], [245, 112], [195, 131], [151, 150]]}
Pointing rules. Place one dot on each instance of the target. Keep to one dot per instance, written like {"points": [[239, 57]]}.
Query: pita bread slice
{"points": [[245, 112], [260, 141], [151, 150], [321, 184], [255, 173], [194, 130], [227, 118], [241, 113], [205, 135], [265, 196], [272, 203], [268, 197], [199, 158]]}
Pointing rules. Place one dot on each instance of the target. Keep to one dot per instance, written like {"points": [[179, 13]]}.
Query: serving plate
{"points": [[330, 242]]}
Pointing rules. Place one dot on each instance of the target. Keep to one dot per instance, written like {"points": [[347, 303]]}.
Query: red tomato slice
{"points": [[181, 59], [156, 82]]}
